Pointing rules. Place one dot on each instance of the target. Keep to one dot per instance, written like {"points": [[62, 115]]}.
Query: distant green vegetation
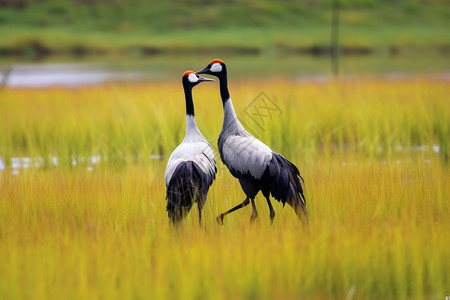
{"points": [[30, 27], [126, 16]]}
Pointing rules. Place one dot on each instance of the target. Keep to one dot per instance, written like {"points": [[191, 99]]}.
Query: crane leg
{"points": [[222, 215], [272, 212], [200, 204], [254, 213]]}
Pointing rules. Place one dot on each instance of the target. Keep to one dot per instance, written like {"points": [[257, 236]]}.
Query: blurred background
{"points": [[75, 42]]}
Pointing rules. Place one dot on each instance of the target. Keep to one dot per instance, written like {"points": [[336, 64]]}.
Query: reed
{"points": [[378, 203], [127, 122]]}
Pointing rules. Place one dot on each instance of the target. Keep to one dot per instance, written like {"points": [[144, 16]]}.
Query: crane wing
{"points": [[199, 152], [245, 155]]}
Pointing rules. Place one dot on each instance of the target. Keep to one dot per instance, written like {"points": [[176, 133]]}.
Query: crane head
{"points": [[189, 77], [216, 67]]}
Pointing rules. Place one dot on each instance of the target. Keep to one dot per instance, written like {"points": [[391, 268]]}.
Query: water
{"points": [[96, 70], [68, 74], [17, 164]]}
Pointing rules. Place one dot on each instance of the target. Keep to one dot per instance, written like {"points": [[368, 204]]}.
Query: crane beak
{"points": [[203, 71], [201, 78]]}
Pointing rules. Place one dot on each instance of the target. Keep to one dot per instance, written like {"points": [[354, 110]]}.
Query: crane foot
{"points": [[219, 219]]}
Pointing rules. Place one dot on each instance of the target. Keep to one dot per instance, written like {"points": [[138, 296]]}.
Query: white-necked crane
{"points": [[191, 168], [256, 166]]}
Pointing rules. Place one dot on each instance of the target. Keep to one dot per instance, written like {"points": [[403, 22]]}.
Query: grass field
{"points": [[374, 155]]}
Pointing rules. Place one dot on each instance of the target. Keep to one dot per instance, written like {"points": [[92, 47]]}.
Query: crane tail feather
{"points": [[284, 183], [183, 190]]}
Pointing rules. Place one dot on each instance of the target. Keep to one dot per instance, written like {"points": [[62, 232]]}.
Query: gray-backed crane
{"points": [[253, 163]]}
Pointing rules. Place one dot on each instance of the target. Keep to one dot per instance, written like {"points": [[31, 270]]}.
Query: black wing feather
{"points": [[187, 185], [283, 178]]}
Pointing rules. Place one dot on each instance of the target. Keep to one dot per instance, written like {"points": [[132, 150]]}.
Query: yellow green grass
{"points": [[378, 203]]}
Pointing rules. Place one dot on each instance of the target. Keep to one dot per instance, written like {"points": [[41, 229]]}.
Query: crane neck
{"points": [[224, 93], [189, 101], [192, 131], [231, 124], [230, 121]]}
